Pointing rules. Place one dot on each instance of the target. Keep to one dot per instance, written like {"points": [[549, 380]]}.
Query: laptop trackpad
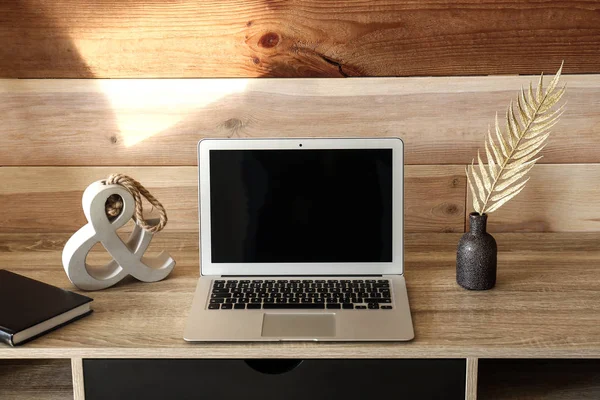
{"points": [[298, 325]]}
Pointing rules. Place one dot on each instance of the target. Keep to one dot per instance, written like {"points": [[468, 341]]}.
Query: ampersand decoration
{"points": [[108, 205]]}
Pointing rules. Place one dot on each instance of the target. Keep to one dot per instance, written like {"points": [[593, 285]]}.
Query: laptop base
{"points": [[235, 325]]}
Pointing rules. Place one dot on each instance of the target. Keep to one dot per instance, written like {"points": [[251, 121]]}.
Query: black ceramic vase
{"points": [[476, 256]]}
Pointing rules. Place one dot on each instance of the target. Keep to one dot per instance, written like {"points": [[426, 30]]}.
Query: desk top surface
{"points": [[546, 304]]}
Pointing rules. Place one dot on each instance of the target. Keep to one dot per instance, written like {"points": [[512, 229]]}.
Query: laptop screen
{"points": [[301, 206]]}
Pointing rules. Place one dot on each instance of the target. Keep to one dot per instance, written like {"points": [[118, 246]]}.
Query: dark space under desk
{"points": [[536, 335]]}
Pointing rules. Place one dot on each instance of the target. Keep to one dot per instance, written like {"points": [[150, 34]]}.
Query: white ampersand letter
{"points": [[128, 257]]}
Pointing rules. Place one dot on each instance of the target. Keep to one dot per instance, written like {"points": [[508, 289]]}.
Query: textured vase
{"points": [[476, 256]]}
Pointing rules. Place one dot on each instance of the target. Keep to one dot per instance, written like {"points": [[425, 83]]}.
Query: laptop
{"points": [[300, 240]]}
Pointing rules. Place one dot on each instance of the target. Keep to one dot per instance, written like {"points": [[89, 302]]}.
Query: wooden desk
{"points": [[546, 305]]}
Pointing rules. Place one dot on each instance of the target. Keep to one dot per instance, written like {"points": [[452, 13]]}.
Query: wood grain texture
{"points": [[35, 380], [534, 311], [557, 198], [471, 381], [159, 122], [192, 38], [77, 377], [539, 379], [48, 199]]}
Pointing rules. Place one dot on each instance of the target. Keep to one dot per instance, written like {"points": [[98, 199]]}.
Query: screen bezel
{"points": [[396, 266]]}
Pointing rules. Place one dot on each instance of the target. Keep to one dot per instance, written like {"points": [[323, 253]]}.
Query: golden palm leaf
{"points": [[512, 154]]}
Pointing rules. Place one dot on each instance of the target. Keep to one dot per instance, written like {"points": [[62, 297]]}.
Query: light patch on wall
{"points": [[146, 107]]}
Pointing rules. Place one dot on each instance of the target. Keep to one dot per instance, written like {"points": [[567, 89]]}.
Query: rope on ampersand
{"points": [[114, 204]]}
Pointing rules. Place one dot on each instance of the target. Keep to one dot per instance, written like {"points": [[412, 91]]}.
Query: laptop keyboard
{"points": [[274, 294]]}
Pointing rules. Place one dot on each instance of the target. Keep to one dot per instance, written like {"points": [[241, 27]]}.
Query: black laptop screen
{"points": [[301, 206]]}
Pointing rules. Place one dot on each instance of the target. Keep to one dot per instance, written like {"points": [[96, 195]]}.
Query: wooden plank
{"points": [[78, 381], [540, 379], [48, 199], [35, 380], [471, 381], [558, 198], [533, 311], [159, 122], [191, 38]]}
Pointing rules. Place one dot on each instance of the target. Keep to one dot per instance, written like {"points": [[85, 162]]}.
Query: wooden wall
{"points": [[56, 136], [60, 135]]}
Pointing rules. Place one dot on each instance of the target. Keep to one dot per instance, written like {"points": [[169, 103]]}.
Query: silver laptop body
{"points": [[300, 240]]}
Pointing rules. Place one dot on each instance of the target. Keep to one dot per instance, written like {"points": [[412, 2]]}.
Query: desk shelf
{"points": [[497, 379], [35, 379], [537, 379]]}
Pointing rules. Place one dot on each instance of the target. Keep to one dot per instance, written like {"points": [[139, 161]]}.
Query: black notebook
{"points": [[30, 308]]}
